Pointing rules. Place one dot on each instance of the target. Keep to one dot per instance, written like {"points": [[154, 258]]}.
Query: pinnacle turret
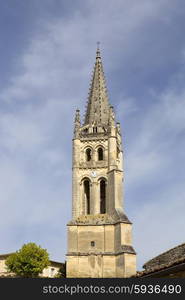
{"points": [[77, 123]]}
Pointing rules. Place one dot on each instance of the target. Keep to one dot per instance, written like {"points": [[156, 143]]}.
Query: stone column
{"points": [[96, 198]]}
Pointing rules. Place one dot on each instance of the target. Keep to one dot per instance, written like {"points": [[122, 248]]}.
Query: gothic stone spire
{"points": [[98, 104]]}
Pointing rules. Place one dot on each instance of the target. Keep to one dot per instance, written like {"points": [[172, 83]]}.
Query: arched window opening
{"points": [[100, 154], [102, 197], [87, 196], [88, 154], [95, 130]]}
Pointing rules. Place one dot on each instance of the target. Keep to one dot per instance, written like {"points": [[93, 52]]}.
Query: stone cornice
{"points": [[124, 249]]}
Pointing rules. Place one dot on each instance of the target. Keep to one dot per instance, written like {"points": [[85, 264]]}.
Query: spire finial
{"points": [[98, 50]]}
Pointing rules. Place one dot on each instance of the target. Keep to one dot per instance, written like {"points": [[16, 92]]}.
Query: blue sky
{"points": [[47, 56]]}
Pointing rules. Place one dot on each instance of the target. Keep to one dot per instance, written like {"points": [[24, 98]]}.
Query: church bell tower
{"points": [[99, 234]]}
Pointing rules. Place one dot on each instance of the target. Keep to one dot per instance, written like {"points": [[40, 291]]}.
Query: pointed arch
{"points": [[86, 195], [100, 153], [88, 154], [103, 193]]}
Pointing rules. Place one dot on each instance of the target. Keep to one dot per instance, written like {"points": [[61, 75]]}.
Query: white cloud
{"points": [[126, 107]]}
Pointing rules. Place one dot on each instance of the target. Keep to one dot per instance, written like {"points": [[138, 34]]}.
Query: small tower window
{"points": [[92, 243], [100, 154], [87, 196], [88, 154]]}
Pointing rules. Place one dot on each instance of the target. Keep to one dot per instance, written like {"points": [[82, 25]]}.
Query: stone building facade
{"points": [[99, 234]]}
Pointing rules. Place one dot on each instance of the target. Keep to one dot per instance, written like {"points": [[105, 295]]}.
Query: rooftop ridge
{"points": [[150, 263]]}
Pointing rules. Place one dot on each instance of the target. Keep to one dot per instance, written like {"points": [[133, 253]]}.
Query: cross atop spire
{"points": [[98, 104]]}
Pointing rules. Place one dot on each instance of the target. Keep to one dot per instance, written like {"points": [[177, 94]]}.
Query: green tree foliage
{"points": [[29, 261]]}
